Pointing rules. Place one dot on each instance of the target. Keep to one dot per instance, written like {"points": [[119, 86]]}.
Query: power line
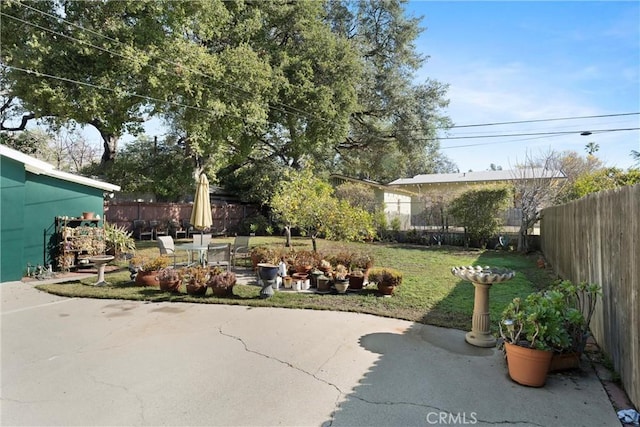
{"points": [[528, 134], [305, 115], [545, 120]]}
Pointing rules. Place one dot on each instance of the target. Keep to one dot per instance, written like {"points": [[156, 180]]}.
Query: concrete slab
{"points": [[105, 362]]}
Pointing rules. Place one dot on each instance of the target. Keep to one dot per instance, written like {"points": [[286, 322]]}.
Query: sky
{"points": [[519, 61]]}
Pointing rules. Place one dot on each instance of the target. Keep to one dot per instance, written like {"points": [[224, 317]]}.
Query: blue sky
{"points": [[513, 61]]}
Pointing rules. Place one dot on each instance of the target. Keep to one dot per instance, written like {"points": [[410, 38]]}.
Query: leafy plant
{"points": [[169, 274], [386, 276], [118, 240], [144, 263], [537, 322], [340, 272]]}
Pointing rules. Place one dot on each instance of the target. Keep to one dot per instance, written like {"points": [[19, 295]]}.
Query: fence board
{"points": [[597, 239]]}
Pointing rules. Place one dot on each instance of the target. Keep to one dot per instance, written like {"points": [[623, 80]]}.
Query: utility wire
{"points": [[527, 134], [305, 114], [545, 120]]}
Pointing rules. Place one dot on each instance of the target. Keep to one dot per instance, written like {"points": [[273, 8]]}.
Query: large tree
{"points": [[393, 130], [82, 61]]}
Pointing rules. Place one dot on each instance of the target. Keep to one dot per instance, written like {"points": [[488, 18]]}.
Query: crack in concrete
{"points": [[342, 394], [126, 389]]}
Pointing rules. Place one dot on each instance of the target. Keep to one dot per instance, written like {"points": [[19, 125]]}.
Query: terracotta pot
{"points": [[170, 285], [356, 282], [196, 289], [88, 215], [528, 366], [147, 278], [564, 361], [221, 291], [386, 289]]}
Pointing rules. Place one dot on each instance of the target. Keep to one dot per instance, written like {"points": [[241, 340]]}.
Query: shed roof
{"points": [[482, 176], [39, 167]]}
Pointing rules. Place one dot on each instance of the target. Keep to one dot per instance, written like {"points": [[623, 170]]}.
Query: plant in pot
{"points": [[361, 263], [169, 279], [531, 329], [264, 254], [304, 261], [147, 268], [341, 279], [118, 240], [386, 279], [221, 282], [580, 302], [196, 278]]}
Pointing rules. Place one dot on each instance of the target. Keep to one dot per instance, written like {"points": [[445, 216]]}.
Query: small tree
{"points": [[537, 184], [479, 212]]}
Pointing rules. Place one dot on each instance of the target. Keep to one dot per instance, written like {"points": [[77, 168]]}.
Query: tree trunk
{"points": [[523, 244], [110, 144], [287, 236], [314, 243]]}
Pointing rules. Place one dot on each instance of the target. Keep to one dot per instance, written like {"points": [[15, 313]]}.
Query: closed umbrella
{"points": [[201, 213]]}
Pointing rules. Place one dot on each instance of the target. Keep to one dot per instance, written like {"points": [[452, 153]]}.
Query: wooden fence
{"points": [[226, 216], [597, 239]]}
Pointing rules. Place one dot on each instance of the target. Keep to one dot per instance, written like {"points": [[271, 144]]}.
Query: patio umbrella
{"points": [[201, 213]]}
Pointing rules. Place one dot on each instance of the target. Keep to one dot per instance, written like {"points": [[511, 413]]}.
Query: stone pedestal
{"points": [[482, 279], [101, 261]]}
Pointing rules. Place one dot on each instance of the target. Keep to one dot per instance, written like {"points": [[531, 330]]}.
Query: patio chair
{"points": [[219, 255], [158, 228], [202, 239], [140, 230], [177, 229], [240, 249], [167, 247]]}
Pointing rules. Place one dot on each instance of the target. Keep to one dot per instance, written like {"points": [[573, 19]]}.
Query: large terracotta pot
{"points": [[170, 285], [147, 278], [386, 289], [528, 366], [196, 288], [564, 361]]}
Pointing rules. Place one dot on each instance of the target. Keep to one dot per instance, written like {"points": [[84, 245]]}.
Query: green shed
{"points": [[32, 194]]}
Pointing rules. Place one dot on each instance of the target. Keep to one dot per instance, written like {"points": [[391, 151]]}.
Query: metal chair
{"points": [[167, 247], [140, 229], [219, 255], [202, 239], [240, 249]]}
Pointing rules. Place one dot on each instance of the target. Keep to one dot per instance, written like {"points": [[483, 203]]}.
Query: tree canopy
{"points": [[245, 87]]}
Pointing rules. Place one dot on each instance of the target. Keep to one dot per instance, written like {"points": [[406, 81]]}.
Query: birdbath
{"points": [[482, 279], [101, 261], [268, 274]]}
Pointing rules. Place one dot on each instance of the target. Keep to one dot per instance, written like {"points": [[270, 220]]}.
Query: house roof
{"points": [[39, 167], [373, 184], [482, 176]]}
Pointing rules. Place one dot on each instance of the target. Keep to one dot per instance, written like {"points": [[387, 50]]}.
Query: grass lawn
{"points": [[429, 293]]}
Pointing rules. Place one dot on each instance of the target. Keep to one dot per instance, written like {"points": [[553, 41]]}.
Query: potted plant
{"points": [[386, 278], [263, 254], [147, 269], [531, 329], [196, 280], [580, 304], [360, 265], [340, 278], [169, 279], [118, 240], [221, 282], [304, 261]]}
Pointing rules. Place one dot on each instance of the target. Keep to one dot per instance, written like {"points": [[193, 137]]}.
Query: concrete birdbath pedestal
{"points": [[101, 261], [482, 279]]}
